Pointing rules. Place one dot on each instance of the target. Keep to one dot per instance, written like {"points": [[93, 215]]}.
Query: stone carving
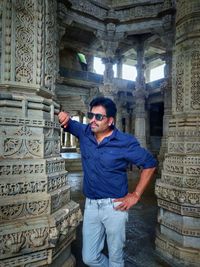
{"points": [[171, 249], [39, 31], [88, 7], [31, 178], [21, 143], [20, 240], [27, 122], [180, 181], [57, 182], [135, 12], [24, 41], [177, 169], [178, 227], [43, 255], [179, 208], [177, 195], [195, 80], [138, 12], [55, 166], [179, 82], [12, 189], [7, 17], [50, 45], [60, 198], [26, 209]]}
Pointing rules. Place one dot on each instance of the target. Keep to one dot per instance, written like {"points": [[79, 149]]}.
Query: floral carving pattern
{"points": [[24, 41], [22, 143]]}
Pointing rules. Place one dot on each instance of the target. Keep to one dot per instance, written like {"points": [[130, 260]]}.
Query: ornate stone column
{"points": [[109, 40], [120, 60], [37, 217], [166, 90], [178, 190], [119, 114], [108, 75], [147, 72], [90, 62], [140, 94]]}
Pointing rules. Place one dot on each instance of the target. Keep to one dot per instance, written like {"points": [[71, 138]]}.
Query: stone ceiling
{"points": [[117, 27]]}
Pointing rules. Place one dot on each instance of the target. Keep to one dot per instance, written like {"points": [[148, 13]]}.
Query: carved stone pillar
{"points": [[178, 190], [147, 72], [140, 95], [109, 40], [37, 217], [120, 60], [90, 63], [107, 89], [166, 89], [67, 139], [108, 73], [119, 115]]}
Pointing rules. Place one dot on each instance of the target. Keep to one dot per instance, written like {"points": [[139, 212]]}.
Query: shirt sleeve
{"points": [[74, 127], [140, 156]]}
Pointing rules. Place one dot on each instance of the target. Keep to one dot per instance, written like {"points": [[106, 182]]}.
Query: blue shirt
{"points": [[105, 164]]}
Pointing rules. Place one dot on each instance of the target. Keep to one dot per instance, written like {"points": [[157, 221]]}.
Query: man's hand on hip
{"points": [[127, 202]]}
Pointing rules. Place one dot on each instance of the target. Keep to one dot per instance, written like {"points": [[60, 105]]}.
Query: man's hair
{"points": [[107, 103]]}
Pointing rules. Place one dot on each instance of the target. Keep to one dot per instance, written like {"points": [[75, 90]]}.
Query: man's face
{"points": [[98, 126]]}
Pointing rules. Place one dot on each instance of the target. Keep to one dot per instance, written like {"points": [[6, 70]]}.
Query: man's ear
{"points": [[111, 121]]}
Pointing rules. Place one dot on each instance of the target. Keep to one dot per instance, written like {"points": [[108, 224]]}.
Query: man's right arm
{"points": [[73, 127]]}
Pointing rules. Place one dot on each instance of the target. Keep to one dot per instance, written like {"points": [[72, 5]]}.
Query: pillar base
{"points": [[175, 254]]}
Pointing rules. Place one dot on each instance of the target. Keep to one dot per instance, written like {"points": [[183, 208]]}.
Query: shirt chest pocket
{"points": [[112, 159]]}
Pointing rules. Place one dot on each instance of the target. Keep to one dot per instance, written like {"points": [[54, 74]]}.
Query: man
{"points": [[106, 154]]}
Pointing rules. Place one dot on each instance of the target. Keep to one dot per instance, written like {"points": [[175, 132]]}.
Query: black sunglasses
{"points": [[98, 116]]}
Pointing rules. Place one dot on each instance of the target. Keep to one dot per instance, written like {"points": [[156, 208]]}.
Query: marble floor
{"points": [[141, 227]]}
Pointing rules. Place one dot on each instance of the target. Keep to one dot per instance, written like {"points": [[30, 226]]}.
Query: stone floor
{"points": [[139, 250]]}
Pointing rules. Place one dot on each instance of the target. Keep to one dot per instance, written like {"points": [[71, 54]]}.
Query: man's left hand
{"points": [[127, 202]]}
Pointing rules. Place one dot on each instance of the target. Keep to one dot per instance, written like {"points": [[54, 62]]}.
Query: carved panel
{"points": [[28, 122], [57, 182], [34, 257], [89, 8], [139, 12], [184, 147], [53, 166], [6, 45], [22, 187], [179, 208], [50, 45], [181, 181], [1, 12], [195, 80], [39, 32], [59, 198], [24, 241], [178, 253], [179, 82], [40, 233], [177, 195], [180, 228], [10, 168], [20, 142], [24, 209], [24, 41], [184, 8]]}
